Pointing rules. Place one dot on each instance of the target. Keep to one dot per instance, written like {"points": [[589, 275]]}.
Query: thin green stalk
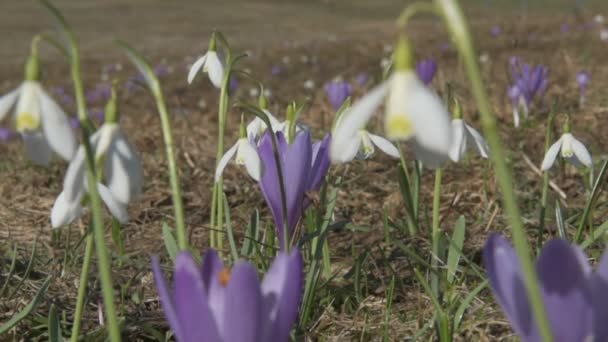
{"points": [[545, 189], [82, 288], [412, 220], [413, 9], [455, 22], [213, 212], [435, 234]]}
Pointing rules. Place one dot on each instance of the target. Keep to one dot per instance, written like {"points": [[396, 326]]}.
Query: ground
{"points": [[322, 40]]}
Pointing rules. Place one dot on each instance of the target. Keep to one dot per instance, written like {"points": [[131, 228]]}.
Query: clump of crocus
{"points": [[215, 304], [38, 119], [529, 85], [413, 113], [245, 153], [573, 294], [426, 68], [211, 64], [465, 137], [303, 164], [337, 92], [570, 148], [582, 79], [119, 172]]}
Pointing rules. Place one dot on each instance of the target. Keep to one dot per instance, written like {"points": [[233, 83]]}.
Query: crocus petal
{"points": [[503, 268], [320, 163], [566, 296], [190, 301], [478, 141], [117, 209], [580, 152], [282, 289], [459, 143], [599, 288], [7, 101], [215, 69], [551, 155], [123, 169], [196, 67], [64, 212], [57, 127], [166, 299], [215, 291], [297, 162], [224, 161], [384, 145], [353, 120], [37, 148], [251, 159], [243, 306]]}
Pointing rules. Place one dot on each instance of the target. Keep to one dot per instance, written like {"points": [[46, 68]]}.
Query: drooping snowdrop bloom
{"points": [[426, 69], [571, 149], [211, 64], [214, 304], [245, 153], [413, 112], [465, 137], [582, 79], [573, 294], [337, 92], [304, 165], [38, 119], [120, 169]]}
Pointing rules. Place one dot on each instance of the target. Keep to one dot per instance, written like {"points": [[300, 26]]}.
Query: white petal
{"points": [[478, 141], [255, 128], [251, 159], [398, 124], [117, 209], [353, 120], [515, 117], [224, 161], [123, 169], [27, 116], [428, 158], [459, 143], [195, 68], [64, 211], [384, 145], [551, 155], [74, 180], [56, 126], [37, 148], [351, 151], [215, 69], [581, 152], [7, 101]]}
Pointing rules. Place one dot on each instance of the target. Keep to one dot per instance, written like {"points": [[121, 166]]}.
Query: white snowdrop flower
{"points": [[604, 35], [304, 59], [257, 127], [121, 177], [254, 92], [571, 149], [599, 19], [245, 153], [202, 104], [267, 93], [286, 60], [466, 137], [484, 58], [385, 62], [211, 64], [387, 48], [309, 84], [40, 121]]}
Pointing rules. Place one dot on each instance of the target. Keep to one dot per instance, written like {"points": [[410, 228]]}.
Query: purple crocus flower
{"points": [[362, 78], [304, 166], [100, 94], [337, 92], [495, 31], [212, 304], [6, 135], [426, 69], [276, 70], [529, 83], [74, 122], [582, 78], [574, 296]]}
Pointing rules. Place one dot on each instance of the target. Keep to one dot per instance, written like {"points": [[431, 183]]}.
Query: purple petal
{"points": [[599, 288], [215, 291], [297, 163], [6, 135], [426, 70], [166, 300], [337, 92], [320, 164], [243, 318]]}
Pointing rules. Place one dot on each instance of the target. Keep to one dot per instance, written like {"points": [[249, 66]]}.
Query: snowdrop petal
{"points": [[581, 152], [215, 69], [7, 101], [224, 161], [479, 142], [37, 148], [251, 159], [117, 209], [351, 151], [57, 127], [384, 145], [429, 158], [64, 211], [459, 143], [123, 169], [74, 180], [353, 120], [551, 155], [194, 69]]}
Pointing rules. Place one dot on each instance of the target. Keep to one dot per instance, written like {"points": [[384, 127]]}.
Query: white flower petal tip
{"points": [[56, 127], [194, 69], [215, 69], [116, 208], [384, 145], [123, 168], [575, 152], [551, 154], [7, 101], [466, 137], [64, 212], [244, 153]]}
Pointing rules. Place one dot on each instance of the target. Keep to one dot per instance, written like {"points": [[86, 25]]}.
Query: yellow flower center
{"points": [[27, 122], [224, 277], [399, 127]]}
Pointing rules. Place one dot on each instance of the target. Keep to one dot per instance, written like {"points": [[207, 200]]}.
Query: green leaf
{"points": [[597, 233], [252, 234], [54, 327], [466, 303], [27, 310], [559, 221], [30, 264], [455, 250], [170, 243], [233, 251]]}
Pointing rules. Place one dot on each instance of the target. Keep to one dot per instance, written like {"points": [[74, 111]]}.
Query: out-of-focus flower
{"points": [[211, 64], [572, 150], [582, 79], [6, 134], [604, 35], [304, 166], [362, 78], [309, 84], [426, 69], [529, 84], [214, 304], [122, 177], [234, 84], [337, 92], [574, 296], [564, 28], [254, 91], [100, 94], [276, 70], [599, 19], [495, 31]]}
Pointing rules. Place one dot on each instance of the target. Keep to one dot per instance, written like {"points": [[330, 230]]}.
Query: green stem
{"points": [[435, 232], [413, 9], [82, 288], [455, 22], [412, 220], [545, 189], [213, 212]]}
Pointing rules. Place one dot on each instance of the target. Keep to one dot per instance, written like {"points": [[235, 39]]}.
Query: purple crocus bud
{"points": [[574, 297], [214, 304], [161, 70], [583, 78], [495, 31], [362, 78], [426, 69], [337, 92], [6, 135], [304, 167], [234, 84]]}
